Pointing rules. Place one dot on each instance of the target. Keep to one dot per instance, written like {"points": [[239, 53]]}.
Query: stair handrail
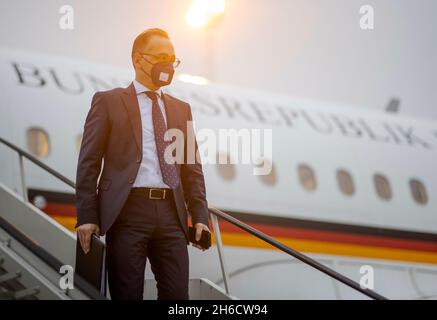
{"points": [[297, 254], [218, 213]]}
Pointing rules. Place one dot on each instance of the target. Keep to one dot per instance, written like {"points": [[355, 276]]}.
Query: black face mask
{"points": [[162, 73]]}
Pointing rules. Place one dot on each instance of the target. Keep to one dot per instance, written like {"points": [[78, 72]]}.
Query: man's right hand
{"points": [[85, 232]]}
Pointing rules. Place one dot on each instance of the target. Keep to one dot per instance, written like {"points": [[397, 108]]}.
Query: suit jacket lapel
{"points": [[130, 102], [169, 112], [172, 118]]}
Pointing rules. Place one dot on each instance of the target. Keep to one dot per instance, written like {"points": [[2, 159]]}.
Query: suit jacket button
{"points": [[131, 181]]}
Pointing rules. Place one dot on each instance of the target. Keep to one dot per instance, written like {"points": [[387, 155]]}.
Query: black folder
{"points": [[91, 267]]}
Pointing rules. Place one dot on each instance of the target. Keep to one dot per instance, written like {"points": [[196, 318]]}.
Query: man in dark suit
{"points": [[141, 200]]}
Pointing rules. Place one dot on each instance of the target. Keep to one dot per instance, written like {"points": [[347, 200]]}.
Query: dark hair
{"points": [[143, 38]]}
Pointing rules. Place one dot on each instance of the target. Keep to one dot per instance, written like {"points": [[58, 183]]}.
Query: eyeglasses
{"points": [[164, 58]]}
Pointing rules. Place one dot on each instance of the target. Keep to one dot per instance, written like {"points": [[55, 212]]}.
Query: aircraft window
{"points": [[224, 166], [269, 179], [38, 142], [306, 177], [418, 191], [345, 182], [382, 186], [78, 142]]}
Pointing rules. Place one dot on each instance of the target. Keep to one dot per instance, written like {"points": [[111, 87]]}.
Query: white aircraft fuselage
{"points": [[350, 186]]}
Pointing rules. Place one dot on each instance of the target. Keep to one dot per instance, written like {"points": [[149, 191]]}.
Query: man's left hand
{"points": [[199, 227]]}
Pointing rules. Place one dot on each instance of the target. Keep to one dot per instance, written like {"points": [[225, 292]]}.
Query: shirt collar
{"points": [[140, 88]]}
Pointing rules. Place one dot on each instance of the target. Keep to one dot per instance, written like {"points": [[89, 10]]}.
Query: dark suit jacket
{"points": [[113, 133]]}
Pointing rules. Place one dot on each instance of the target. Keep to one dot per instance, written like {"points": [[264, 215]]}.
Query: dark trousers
{"points": [[144, 229]]}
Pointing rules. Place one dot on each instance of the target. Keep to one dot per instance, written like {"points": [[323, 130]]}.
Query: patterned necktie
{"points": [[168, 170]]}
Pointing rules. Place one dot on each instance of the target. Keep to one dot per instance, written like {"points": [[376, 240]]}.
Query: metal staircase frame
{"points": [[215, 214]]}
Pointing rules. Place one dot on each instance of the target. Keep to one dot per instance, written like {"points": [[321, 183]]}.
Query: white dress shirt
{"points": [[149, 173]]}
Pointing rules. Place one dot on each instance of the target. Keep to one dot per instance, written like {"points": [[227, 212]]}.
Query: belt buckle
{"points": [[156, 198]]}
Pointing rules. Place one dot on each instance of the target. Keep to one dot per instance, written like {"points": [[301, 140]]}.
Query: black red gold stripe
{"points": [[303, 235]]}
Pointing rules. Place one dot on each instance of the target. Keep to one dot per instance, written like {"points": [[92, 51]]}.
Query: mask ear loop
{"points": [[142, 69]]}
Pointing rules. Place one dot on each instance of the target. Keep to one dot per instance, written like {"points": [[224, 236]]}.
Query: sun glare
{"points": [[202, 13]]}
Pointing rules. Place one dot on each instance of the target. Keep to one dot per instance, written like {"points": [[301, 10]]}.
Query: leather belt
{"points": [[152, 193]]}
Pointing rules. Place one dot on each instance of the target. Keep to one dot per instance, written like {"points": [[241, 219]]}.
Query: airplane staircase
{"points": [[34, 248]]}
